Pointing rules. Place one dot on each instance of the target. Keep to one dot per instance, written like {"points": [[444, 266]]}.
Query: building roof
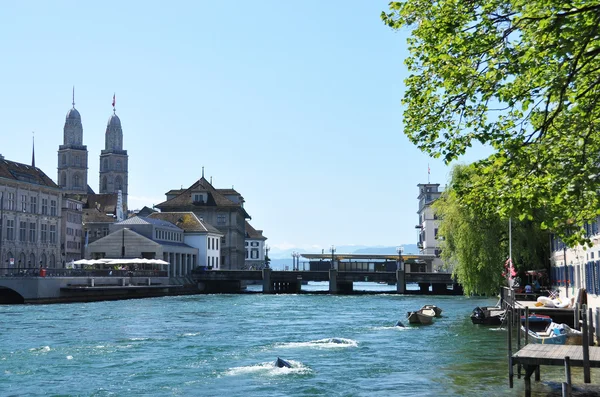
{"points": [[214, 198], [140, 220], [24, 173], [252, 233], [188, 221], [93, 215], [104, 202], [146, 211]]}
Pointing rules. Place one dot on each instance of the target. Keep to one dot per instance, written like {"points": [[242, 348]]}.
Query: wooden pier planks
{"points": [[536, 354]]}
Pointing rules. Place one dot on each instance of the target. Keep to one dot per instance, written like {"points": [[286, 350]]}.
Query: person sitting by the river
{"points": [[536, 285], [528, 289]]}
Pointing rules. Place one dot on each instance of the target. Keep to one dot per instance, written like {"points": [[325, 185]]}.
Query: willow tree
{"points": [[521, 76], [475, 239]]}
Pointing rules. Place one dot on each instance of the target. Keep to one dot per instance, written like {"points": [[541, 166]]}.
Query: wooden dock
{"points": [[534, 354]]}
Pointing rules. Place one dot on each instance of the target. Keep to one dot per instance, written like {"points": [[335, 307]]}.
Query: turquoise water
{"points": [[210, 345]]}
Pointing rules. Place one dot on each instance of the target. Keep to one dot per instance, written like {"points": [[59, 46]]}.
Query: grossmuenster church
{"points": [[73, 158]]}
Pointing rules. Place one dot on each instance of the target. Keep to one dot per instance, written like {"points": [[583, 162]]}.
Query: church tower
{"points": [[113, 159], [73, 155]]}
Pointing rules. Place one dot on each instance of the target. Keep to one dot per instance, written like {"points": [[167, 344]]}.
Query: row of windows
{"points": [[213, 261], [118, 165], [169, 236], [30, 205], [74, 218], [109, 181], [77, 180], [212, 243], [75, 160], [74, 244], [74, 232], [252, 254], [28, 232]]}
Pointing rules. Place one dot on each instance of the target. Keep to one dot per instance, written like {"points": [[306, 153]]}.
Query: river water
{"points": [[225, 345]]}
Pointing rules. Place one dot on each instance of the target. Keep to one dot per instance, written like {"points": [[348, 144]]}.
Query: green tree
{"points": [[522, 76], [475, 241]]}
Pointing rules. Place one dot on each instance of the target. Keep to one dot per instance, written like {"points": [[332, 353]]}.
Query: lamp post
{"points": [[399, 250], [267, 260], [332, 249], [293, 260]]}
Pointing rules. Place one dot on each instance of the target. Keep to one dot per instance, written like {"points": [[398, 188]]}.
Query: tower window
{"points": [[118, 165]]}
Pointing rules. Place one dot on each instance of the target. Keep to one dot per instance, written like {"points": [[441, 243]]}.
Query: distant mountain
{"points": [[286, 255]]}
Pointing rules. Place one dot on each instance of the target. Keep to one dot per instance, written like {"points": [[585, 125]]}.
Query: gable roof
{"points": [[24, 173], [188, 221], [215, 198], [140, 220], [252, 233]]}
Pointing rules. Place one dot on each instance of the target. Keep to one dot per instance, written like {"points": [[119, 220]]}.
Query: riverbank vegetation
{"points": [[523, 78]]}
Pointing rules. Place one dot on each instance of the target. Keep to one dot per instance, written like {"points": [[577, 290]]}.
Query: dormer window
{"points": [[199, 198]]}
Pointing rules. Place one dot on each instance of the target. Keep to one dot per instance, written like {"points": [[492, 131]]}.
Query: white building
{"points": [[579, 267], [255, 248], [427, 227], [197, 234]]}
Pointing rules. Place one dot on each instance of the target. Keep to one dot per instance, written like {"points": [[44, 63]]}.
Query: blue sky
{"points": [[294, 104]]}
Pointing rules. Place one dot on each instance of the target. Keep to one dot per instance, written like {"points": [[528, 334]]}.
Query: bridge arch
{"points": [[10, 296]]}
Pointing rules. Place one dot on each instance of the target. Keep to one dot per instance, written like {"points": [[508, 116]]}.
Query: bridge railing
{"points": [[51, 272]]}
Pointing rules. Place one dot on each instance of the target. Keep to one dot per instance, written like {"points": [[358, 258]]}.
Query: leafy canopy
{"points": [[475, 244], [522, 76]]}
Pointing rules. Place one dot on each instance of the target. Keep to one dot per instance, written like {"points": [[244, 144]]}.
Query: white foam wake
{"points": [[327, 343]]}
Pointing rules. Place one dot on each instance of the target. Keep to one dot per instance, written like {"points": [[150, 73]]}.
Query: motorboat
{"points": [[421, 316], [488, 315], [553, 334], [438, 311]]}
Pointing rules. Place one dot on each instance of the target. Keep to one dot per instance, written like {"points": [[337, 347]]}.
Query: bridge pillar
{"points": [[267, 284], [400, 282], [333, 287]]}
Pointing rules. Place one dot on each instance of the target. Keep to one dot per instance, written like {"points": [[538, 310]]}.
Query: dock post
{"points": [[333, 287], [519, 344], [267, 285], [590, 327], [586, 346], [526, 325], [576, 317], [598, 325], [509, 340], [400, 282], [567, 386]]}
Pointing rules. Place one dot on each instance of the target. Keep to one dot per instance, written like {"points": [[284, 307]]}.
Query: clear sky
{"points": [[294, 104]]}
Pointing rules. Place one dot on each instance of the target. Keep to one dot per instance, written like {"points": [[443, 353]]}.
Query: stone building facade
{"points": [[30, 216], [221, 208]]}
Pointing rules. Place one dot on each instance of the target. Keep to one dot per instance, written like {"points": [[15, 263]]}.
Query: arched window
{"points": [[77, 162], [22, 261], [118, 183], [32, 260], [9, 255], [104, 185], [43, 260], [52, 261], [76, 181], [64, 180], [118, 165]]}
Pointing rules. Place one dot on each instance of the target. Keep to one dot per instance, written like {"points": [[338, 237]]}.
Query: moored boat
{"points": [[488, 315], [555, 334], [421, 316], [438, 310]]}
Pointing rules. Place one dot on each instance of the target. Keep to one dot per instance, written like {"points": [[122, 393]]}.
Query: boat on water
{"points": [[488, 315], [438, 310], [421, 316], [553, 334]]}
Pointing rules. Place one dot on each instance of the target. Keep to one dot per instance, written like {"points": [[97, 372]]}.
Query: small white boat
{"points": [[438, 310], [422, 316]]}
